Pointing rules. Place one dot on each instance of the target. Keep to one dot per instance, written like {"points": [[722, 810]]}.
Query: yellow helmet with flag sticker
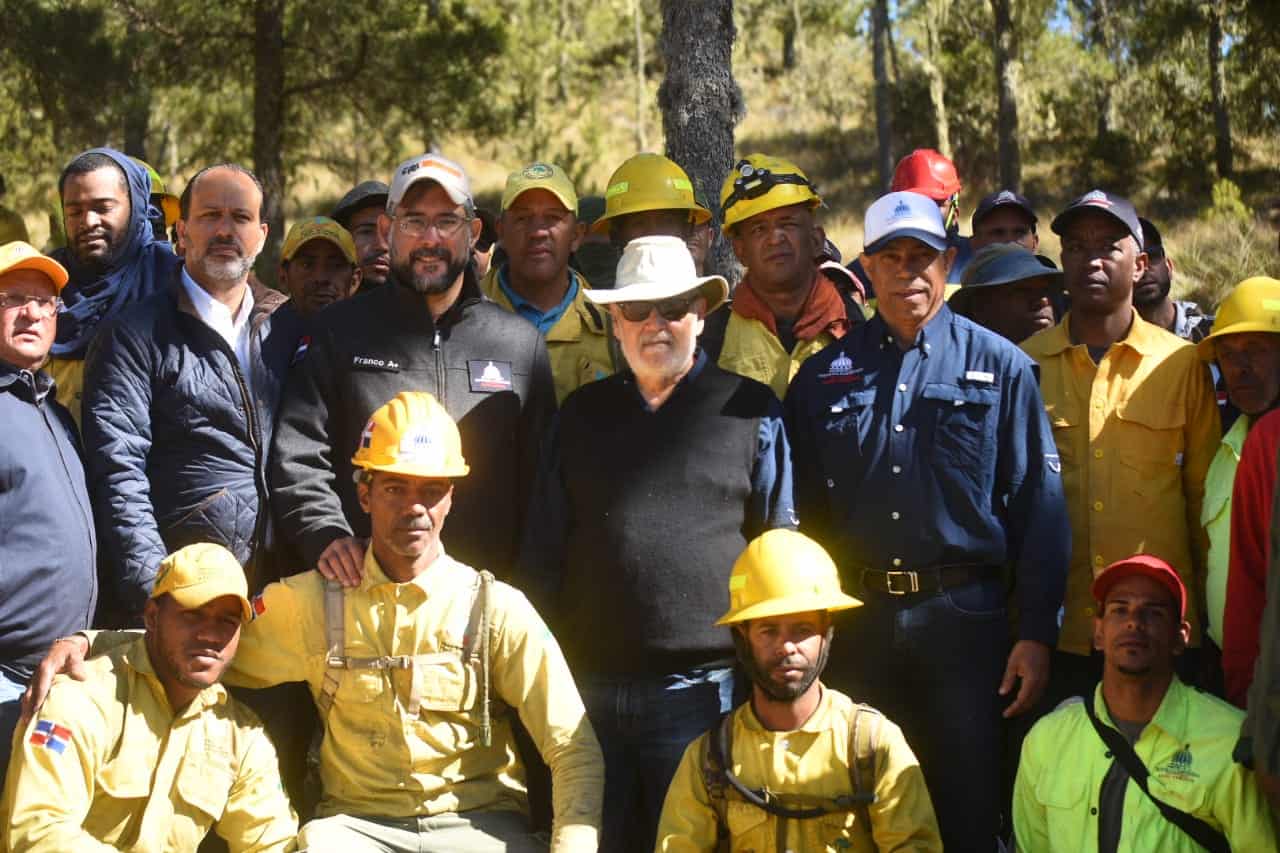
{"points": [[780, 572], [1253, 305], [648, 182], [411, 435], [759, 183]]}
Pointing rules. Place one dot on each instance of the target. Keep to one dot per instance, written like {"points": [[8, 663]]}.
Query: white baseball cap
{"points": [[903, 214], [430, 167], [656, 268]]}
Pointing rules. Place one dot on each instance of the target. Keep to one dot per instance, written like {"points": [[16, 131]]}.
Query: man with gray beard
{"points": [[428, 329], [180, 398]]}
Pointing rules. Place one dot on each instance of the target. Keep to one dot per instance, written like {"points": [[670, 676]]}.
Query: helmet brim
{"points": [[802, 603]]}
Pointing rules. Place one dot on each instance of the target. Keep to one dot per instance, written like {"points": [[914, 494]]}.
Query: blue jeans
{"points": [[644, 725], [11, 690], [932, 664]]}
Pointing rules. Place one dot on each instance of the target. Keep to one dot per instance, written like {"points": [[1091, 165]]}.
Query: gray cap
{"points": [[364, 194], [1005, 263]]}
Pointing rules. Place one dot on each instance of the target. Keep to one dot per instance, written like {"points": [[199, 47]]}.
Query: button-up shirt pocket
{"points": [[964, 430], [445, 683], [1065, 798], [840, 426], [750, 829], [1150, 437], [205, 785]]}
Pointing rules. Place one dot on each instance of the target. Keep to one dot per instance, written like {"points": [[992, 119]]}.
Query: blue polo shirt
{"points": [[543, 320], [936, 455]]}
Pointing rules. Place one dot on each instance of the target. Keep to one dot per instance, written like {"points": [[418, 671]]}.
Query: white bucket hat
{"points": [[655, 268]]}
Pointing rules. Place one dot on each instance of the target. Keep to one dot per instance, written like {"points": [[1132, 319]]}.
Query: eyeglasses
{"points": [[446, 225], [671, 310], [46, 306]]}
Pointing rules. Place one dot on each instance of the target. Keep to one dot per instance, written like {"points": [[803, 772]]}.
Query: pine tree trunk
{"points": [[1006, 58], [883, 92], [1218, 90], [268, 120], [701, 102], [1102, 36], [937, 86], [642, 98]]}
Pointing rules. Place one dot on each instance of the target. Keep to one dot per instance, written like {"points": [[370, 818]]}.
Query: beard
{"points": [[226, 270], [762, 676], [429, 284]]}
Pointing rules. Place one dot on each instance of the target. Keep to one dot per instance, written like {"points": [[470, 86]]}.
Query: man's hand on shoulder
{"points": [[342, 560], [65, 656]]}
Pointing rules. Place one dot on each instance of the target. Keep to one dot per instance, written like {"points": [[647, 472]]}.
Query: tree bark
{"points": [[701, 102], [268, 120], [137, 105], [937, 85], [883, 92], [1102, 36], [1218, 91], [642, 98], [1006, 58], [792, 36]]}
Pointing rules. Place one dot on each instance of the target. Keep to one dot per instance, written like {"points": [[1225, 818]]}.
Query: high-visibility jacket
{"points": [[578, 345], [1216, 518], [810, 765], [108, 765], [751, 350], [1187, 748]]}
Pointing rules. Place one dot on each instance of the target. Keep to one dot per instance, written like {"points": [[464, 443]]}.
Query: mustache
{"points": [[374, 256], [424, 524], [231, 242], [427, 252]]}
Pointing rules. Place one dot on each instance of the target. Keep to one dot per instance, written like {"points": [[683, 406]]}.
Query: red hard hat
{"points": [[926, 172]]}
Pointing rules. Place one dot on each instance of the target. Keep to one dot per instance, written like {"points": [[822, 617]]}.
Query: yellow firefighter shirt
{"points": [[108, 765], [1186, 747], [1135, 435], [376, 757], [577, 345], [812, 761], [751, 350]]}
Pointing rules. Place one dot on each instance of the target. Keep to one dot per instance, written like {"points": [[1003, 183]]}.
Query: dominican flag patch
{"points": [[259, 606], [304, 343], [51, 735]]}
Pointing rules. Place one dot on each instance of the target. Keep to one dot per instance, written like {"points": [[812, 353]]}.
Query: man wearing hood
{"points": [[112, 257]]}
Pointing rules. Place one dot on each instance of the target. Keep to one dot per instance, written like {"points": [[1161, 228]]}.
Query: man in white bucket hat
{"points": [[654, 481]]}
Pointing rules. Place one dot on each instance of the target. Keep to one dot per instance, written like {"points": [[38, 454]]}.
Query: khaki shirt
{"points": [[108, 765], [577, 345], [1135, 435], [376, 757], [813, 760], [751, 350]]}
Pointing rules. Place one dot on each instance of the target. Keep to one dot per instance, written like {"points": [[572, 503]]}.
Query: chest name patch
{"points": [[366, 362]]}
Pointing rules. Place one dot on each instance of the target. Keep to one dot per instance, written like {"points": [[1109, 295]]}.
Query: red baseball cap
{"points": [[1147, 566]]}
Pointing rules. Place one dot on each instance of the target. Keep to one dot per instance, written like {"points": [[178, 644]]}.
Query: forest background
{"points": [[1175, 103]]}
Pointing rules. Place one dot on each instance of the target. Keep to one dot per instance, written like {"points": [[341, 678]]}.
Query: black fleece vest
{"points": [[657, 502]]}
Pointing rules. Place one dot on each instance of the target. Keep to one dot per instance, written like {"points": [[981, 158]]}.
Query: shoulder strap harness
{"points": [[475, 648], [722, 784]]}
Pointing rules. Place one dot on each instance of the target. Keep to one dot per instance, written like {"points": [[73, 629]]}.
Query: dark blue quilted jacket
{"points": [[175, 440]]}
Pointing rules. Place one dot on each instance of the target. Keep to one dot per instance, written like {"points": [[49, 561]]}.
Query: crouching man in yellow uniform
{"points": [[415, 672], [800, 766], [149, 751]]}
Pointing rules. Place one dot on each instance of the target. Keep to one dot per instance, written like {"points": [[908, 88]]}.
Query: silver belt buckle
{"points": [[912, 582]]}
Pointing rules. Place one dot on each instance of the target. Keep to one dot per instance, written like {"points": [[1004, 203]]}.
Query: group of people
{"points": [[950, 546]]}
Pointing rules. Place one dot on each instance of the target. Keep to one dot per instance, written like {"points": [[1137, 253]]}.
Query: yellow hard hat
{"points": [[781, 572], [648, 182], [761, 183], [412, 435], [1253, 305], [169, 203]]}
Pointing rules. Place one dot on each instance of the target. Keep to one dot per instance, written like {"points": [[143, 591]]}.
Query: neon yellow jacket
{"points": [[107, 765], [68, 378], [1216, 518], [751, 350], [578, 344], [377, 758], [814, 760], [1187, 748]]}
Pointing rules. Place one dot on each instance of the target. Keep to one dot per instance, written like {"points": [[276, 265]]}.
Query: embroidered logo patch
{"points": [[51, 736], [304, 343], [1179, 766], [490, 375], [841, 372]]}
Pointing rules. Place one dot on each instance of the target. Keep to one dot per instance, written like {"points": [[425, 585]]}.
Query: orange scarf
{"points": [[822, 312]]}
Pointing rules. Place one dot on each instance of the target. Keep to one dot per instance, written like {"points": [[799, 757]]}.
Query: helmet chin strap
{"points": [[761, 679]]}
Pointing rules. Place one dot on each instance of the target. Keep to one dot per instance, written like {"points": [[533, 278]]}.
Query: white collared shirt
{"points": [[233, 330]]}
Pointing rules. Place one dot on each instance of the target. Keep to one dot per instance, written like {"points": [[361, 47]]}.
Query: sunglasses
{"points": [[671, 310]]}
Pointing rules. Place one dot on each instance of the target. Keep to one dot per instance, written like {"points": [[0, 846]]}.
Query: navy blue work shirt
{"points": [[940, 454]]}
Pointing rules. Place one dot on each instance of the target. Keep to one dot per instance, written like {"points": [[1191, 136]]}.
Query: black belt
{"points": [[927, 581]]}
